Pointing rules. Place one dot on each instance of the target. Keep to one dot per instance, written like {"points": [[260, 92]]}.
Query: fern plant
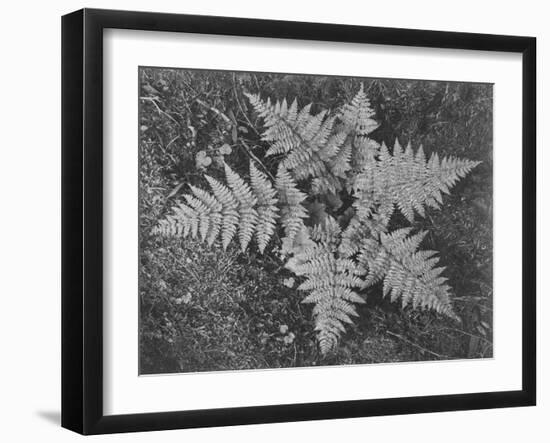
{"points": [[330, 206]]}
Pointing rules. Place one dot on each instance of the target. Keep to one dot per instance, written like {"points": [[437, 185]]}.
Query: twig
{"points": [[241, 107], [152, 100], [417, 346], [439, 123], [172, 141], [248, 150]]}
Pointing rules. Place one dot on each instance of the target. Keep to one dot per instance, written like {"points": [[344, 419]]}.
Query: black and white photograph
{"points": [[299, 220]]}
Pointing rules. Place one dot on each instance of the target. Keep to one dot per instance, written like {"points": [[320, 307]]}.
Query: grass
{"points": [[203, 309]]}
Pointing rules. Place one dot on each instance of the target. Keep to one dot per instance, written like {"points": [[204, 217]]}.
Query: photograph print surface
{"points": [[299, 220]]}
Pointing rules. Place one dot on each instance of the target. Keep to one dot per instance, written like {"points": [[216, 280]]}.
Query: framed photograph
{"points": [[270, 221]]}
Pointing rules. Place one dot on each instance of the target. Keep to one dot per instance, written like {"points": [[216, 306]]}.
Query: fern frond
{"points": [[249, 209], [341, 163], [307, 140], [358, 122], [293, 212], [330, 280], [361, 226], [407, 274], [356, 115], [248, 217], [329, 184], [267, 210], [407, 181], [229, 213]]}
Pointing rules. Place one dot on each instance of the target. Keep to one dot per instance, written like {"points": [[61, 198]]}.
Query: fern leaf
{"points": [[306, 139], [358, 122], [331, 281], [361, 226], [405, 180], [248, 217], [407, 274], [341, 163], [267, 209], [293, 212], [251, 210], [356, 115], [229, 212]]}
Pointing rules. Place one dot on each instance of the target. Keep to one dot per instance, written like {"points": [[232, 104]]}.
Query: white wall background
{"points": [[30, 219]]}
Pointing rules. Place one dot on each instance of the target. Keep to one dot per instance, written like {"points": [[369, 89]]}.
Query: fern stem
{"points": [[248, 150]]}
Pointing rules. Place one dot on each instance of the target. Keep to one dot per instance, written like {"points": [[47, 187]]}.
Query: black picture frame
{"points": [[82, 216]]}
